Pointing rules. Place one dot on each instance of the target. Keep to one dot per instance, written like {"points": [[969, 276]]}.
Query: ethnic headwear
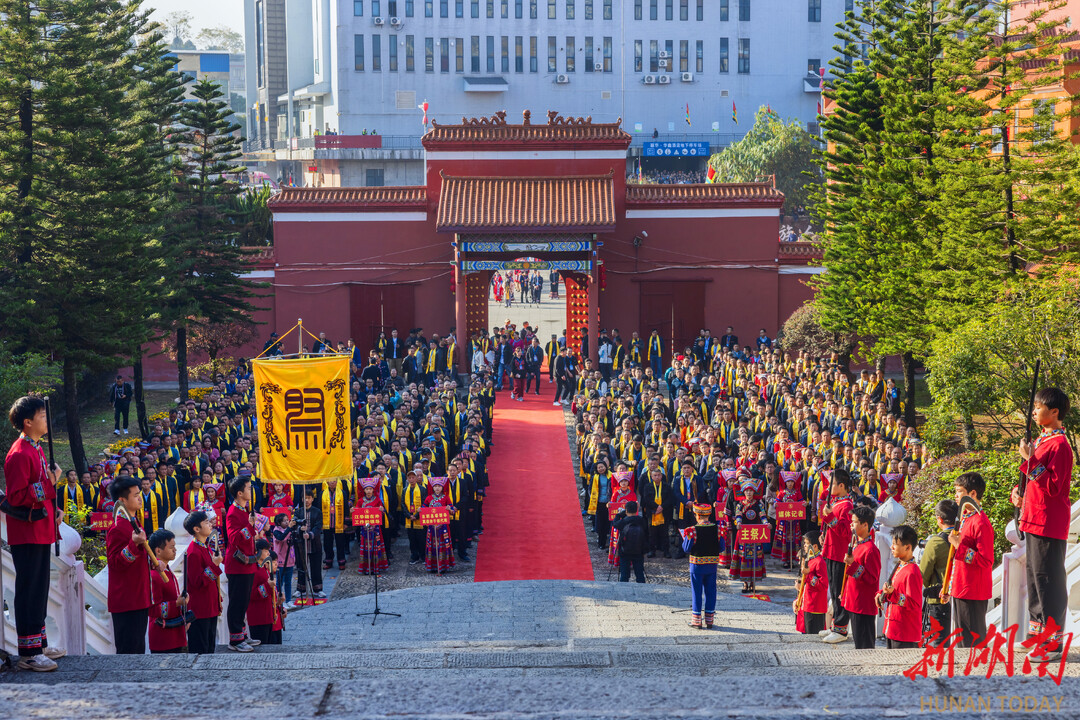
{"points": [[438, 481], [789, 476], [369, 482], [891, 478], [624, 476], [728, 474], [702, 508]]}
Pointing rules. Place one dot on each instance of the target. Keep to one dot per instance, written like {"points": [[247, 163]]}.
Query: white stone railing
{"points": [[78, 613], [1010, 582]]}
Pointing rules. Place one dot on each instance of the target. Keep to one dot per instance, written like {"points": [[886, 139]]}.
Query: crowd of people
{"points": [[418, 441], [524, 286], [748, 438], [667, 177], [703, 454]]}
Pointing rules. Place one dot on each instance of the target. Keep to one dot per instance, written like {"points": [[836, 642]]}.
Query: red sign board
{"points": [[614, 508], [273, 512], [754, 534], [367, 516], [790, 511], [435, 516], [101, 521], [312, 168]]}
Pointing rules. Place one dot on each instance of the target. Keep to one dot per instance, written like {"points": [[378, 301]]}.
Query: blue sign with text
{"points": [[662, 148]]}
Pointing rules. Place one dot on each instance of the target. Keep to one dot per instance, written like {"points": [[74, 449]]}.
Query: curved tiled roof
{"points": [[350, 198], [557, 133], [527, 204], [704, 194]]}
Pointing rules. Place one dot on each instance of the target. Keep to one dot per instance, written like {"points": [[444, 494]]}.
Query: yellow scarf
{"points": [[153, 509], [454, 493], [195, 497], [80, 499], [658, 516], [413, 500], [339, 507], [594, 493]]}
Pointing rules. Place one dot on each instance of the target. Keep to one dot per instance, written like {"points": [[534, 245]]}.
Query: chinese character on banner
{"points": [[304, 426]]}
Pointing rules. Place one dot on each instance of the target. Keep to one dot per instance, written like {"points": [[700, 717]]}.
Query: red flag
{"points": [[711, 176]]}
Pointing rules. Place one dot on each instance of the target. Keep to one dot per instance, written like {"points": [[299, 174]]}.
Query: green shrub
{"points": [[936, 483]]}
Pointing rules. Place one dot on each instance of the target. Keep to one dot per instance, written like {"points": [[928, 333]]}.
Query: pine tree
{"points": [[207, 262], [77, 234], [1009, 199]]}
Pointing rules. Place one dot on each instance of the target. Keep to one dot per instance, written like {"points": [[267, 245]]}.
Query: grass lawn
{"points": [[97, 428]]}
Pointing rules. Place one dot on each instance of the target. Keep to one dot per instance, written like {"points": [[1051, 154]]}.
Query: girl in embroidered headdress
{"points": [[623, 494], [786, 542], [439, 555], [748, 559], [370, 544]]}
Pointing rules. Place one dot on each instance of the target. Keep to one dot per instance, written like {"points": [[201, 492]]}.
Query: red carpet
{"points": [[532, 517]]}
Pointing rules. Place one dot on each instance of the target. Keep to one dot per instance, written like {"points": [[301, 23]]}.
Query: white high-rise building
{"points": [[350, 66]]}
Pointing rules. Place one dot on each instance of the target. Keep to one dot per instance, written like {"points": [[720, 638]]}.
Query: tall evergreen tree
{"points": [[77, 241], [207, 262], [1008, 198]]}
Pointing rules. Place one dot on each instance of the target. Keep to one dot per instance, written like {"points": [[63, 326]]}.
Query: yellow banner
{"points": [[303, 411]]}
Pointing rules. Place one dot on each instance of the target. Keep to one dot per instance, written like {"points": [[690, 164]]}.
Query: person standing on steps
{"points": [[120, 394], [633, 532], [702, 542], [240, 562], [32, 521]]}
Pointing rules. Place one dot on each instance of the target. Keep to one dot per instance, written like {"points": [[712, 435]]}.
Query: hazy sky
{"points": [[204, 13]]}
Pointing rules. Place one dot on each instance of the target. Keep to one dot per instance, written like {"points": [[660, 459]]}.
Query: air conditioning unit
{"points": [[663, 64], [598, 67], [562, 79], [688, 77], [649, 79], [664, 54], [665, 79], [378, 22], [395, 22]]}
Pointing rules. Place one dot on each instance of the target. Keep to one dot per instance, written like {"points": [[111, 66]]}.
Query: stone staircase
{"points": [[516, 649]]}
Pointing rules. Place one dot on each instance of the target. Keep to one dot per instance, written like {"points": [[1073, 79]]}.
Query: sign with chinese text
{"points": [[614, 508], [753, 534], [435, 516], [665, 148], [273, 512], [790, 511], [101, 521], [366, 516], [304, 428]]}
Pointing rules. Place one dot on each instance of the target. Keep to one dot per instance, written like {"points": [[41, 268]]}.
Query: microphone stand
{"points": [[369, 555]]}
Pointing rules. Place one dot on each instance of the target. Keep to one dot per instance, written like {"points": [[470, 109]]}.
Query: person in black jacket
{"points": [[564, 377], [534, 358], [657, 500], [633, 540], [310, 521], [120, 397]]}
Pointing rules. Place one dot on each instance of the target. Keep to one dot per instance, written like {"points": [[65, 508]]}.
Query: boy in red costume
{"points": [[201, 571], [32, 519], [167, 630], [815, 578], [903, 593], [1044, 515], [862, 574], [836, 524], [971, 584]]}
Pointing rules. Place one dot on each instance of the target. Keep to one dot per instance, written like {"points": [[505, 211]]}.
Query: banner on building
{"points": [[303, 411]]}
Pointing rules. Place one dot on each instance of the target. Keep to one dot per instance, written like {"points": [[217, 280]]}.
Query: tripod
{"points": [[369, 555], [303, 557]]}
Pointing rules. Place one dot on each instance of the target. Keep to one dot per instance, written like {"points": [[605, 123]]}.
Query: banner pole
{"points": [[300, 336]]}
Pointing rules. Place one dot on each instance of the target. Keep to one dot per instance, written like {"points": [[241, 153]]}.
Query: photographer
{"points": [[935, 558], [633, 539], [309, 527], [287, 536]]}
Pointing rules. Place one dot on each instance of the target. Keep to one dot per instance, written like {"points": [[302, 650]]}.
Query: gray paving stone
{"points": [[310, 661], [526, 659], [633, 658]]}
